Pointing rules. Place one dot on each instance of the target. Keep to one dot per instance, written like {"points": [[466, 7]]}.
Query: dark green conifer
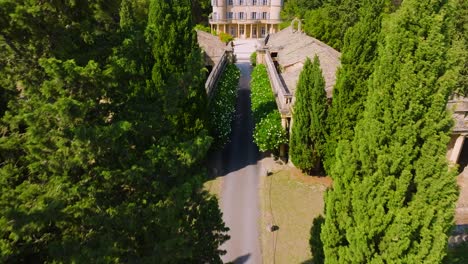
{"points": [[91, 169], [308, 127], [393, 194], [357, 61]]}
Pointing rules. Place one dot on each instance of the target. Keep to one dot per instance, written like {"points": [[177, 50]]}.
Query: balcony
{"points": [[244, 21]]}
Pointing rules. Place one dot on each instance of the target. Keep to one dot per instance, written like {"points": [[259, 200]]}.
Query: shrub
{"points": [[223, 104], [268, 132], [253, 58], [225, 37], [203, 28]]}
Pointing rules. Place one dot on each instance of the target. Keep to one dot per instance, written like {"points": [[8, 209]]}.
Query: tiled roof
{"points": [[212, 46], [294, 47]]}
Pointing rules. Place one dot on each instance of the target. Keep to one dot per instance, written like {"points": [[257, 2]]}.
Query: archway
{"points": [[298, 22]]}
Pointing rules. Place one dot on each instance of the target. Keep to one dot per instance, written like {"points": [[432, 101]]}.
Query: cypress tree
{"points": [[177, 70], [301, 152], [393, 194], [308, 129], [92, 170], [319, 112], [357, 60]]}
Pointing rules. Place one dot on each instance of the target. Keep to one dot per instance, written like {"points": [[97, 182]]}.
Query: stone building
{"points": [[246, 18], [284, 54]]}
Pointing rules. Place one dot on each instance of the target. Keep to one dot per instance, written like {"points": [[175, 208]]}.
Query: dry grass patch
{"points": [[214, 187], [291, 203]]}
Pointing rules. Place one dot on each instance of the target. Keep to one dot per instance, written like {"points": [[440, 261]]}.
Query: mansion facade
{"points": [[246, 18]]}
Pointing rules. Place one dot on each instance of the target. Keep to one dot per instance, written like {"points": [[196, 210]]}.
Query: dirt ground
{"points": [[290, 201]]}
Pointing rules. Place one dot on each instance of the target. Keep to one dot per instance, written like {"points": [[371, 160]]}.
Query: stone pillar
{"points": [[260, 56], [245, 31], [457, 148], [284, 122], [251, 27], [238, 30]]}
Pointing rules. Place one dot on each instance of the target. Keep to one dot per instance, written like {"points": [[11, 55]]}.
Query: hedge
{"points": [[223, 106], [268, 132]]}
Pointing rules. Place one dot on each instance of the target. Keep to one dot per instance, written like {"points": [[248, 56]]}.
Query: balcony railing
{"points": [[282, 94]]}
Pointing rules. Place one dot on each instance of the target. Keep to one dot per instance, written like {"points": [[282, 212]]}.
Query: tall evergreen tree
{"points": [[357, 61], [310, 109], [301, 149], [93, 169], [319, 104], [393, 194]]}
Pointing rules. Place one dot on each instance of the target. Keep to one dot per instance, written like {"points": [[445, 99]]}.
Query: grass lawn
{"points": [[291, 203], [214, 186]]}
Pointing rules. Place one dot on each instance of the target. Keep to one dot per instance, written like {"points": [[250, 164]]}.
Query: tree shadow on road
{"points": [[240, 260]]}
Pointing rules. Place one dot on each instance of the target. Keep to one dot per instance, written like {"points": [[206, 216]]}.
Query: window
{"points": [[263, 32], [229, 15], [230, 2], [241, 31], [265, 2], [215, 16], [241, 15], [233, 31], [264, 15], [254, 2], [241, 2], [254, 31], [253, 15]]}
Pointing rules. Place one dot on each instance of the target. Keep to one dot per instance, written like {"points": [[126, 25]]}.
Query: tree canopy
{"points": [[393, 194], [104, 137], [357, 61]]}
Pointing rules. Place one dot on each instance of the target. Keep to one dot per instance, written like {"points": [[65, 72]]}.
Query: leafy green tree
{"points": [[310, 110], [357, 61], [298, 8], [201, 9], [393, 194], [330, 22]]}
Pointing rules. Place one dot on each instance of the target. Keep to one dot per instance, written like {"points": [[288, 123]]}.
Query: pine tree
{"points": [[393, 194], [308, 129], [357, 60]]}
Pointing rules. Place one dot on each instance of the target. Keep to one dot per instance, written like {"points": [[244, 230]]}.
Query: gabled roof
{"points": [[212, 46], [294, 47]]}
